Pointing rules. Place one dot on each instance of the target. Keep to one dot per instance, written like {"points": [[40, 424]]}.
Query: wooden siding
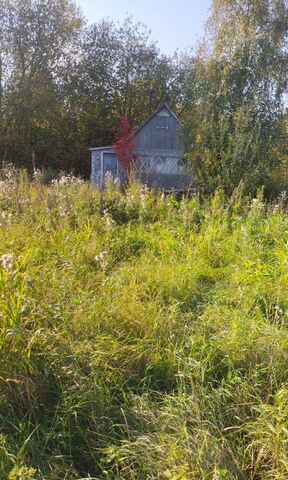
{"points": [[161, 132]]}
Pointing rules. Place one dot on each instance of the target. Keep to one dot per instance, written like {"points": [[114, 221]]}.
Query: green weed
{"points": [[141, 336]]}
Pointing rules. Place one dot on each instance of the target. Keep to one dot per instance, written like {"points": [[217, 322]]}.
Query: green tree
{"points": [[66, 87], [121, 72], [236, 94], [37, 34]]}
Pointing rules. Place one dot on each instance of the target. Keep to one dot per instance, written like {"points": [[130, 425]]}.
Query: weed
{"points": [[146, 339]]}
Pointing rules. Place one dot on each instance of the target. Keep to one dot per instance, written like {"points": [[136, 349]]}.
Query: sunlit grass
{"points": [[141, 337]]}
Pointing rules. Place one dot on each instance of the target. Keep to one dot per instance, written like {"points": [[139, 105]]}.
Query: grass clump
{"points": [[141, 336]]}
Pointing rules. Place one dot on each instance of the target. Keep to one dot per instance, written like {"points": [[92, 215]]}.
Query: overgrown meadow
{"points": [[142, 337]]}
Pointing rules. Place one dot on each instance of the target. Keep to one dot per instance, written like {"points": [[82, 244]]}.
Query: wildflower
{"points": [[107, 218], [9, 172], [7, 261], [278, 310], [109, 180], [144, 196], [24, 201], [6, 215], [6, 187], [63, 212], [256, 203], [117, 182], [65, 180], [131, 200], [280, 205], [37, 175], [101, 257]]}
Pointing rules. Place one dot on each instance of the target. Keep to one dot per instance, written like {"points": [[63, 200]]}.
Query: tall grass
{"points": [[146, 339]]}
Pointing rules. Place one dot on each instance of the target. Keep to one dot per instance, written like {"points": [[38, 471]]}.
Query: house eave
{"points": [[100, 148]]}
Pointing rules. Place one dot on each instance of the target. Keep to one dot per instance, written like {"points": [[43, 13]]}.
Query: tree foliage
{"points": [[65, 86], [236, 94], [36, 35], [121, 73]]}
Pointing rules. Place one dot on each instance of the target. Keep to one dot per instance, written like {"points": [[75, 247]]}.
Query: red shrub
{"points": [[125, 143]]}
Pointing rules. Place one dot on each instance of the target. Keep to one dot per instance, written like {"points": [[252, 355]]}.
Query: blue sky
{"points": [[173, 23]]}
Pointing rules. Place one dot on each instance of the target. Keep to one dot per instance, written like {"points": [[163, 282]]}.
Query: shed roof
{"points": [[158, 110]]}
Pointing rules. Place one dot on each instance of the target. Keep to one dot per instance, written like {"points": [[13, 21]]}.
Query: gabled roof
{"points": [[153, 114]]}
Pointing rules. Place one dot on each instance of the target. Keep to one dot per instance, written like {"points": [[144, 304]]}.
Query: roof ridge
{"points": [[163, 104]]}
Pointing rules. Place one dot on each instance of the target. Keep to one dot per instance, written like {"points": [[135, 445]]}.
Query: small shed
{"points": [[158, 158]]}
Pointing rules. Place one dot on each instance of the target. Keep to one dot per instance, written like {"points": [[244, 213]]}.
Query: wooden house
{"points": [[158, 159]]}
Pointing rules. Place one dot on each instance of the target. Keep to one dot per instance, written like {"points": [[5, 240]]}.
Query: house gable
{"points": [[159, 132]]}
